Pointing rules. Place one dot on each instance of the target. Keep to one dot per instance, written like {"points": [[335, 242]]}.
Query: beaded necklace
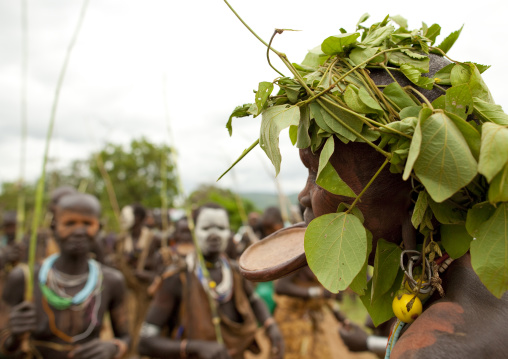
{"points": [[223, 291], [58, 301]]}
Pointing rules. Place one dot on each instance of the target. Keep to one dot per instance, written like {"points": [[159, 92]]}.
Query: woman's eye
{"points": [[69, 223]]}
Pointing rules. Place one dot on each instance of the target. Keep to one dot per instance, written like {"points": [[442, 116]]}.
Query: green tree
{"points": [[135, 173], [224, 197]]}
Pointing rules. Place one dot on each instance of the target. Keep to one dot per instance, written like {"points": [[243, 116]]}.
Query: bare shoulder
{"points": [[468, 323], [112, 276]]}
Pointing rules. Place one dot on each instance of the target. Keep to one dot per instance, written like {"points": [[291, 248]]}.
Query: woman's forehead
{"points": [[212, 215], [309, 160]]}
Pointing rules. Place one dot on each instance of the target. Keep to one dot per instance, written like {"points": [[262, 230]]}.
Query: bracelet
{"points": [[268, 322], [122, 348], [4, 335], [377, 344], [183, 348]]}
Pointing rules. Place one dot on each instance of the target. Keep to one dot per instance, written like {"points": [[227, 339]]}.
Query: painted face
{"points": [[69, 223], [212, 230], [127, 218]]}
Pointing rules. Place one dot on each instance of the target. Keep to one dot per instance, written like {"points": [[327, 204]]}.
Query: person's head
{"points": [[9, 225], [212, 229], [57, 194], [182, 232], [76, 223], [131, 216], [271, 221]]}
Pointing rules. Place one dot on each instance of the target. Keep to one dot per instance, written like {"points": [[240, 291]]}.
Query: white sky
{"points": [[113, 90]]}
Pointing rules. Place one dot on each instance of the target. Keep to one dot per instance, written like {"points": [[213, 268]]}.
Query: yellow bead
{"points": [[212, 284]]}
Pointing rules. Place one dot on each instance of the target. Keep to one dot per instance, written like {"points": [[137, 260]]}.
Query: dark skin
{"points": [[469, 322], [164, 311], [11, 253], [76, 224]]}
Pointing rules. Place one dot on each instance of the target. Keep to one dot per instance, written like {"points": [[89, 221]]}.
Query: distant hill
{"points": [[265, 200]]}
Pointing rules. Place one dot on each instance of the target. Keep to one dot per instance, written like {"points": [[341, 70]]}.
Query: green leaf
{"points": [[239, 111], [275, 119], [336, 248], [397, 94], [471, 135], [498, 190], [420, 207], [489, 252], [399, 58], [293, 134], [368, 101], [399, 20], [359, 55], [460, 74], [386, 267], [445, 163], [359, 100], [359, 284], [376, 37], [316, 112], [494, 150], [362, 19], [352, 121], [315, 58], [455, 239], [477, 215], [439, 103], [411, 111], [432, 32], [459, 100], [416, 143], [448, 42], [447, 212], [331, 181], [443, 76], [381, 310], [326, 153], [303, 139], [337, 44], [414, 75], [478, 86], [264, 90], [489, 112]]}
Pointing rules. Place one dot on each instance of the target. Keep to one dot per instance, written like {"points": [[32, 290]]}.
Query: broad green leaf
{"points": [[353, 101], [414, 75], [399, 20], [411, 111], [239, 111], [442, 77], [455, 239], [376, 37], [335, 247], [368, 101], [315, 58], [448, 42], [420, 207], [345, 207], [481, 68], [345, 118], [359, 55], [498, 190], [381, 310], [316, 113], [494, 150], [337, 44], [303, 138], [460, 74], [275, 119], [477, 215], [293, 134], [326, 153], [414, 55], [489, 252], [386, 267], [447, 212], [489, 112], [331, 181], [264, 90], [416, 142], [471, 135], [399, 59], [432, 32], [458, 100], [445, 163], [478, 86], [359, 284], [397, 94], [362, 19], [439, 103]]}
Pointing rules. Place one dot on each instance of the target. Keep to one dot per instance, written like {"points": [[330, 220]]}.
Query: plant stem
{"points": [[368, 185], [277, 31], [40, 184]]}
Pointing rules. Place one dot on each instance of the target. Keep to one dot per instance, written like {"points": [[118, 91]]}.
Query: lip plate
{"points": [[275, 256]]}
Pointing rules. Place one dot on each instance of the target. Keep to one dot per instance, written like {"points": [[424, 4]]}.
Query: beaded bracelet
{"points": [[122, 348]]}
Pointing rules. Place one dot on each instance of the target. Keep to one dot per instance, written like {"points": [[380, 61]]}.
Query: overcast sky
{"points": [[113, 89]]}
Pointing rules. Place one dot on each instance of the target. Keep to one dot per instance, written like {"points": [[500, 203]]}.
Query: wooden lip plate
{"points": [[275, 256]]}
